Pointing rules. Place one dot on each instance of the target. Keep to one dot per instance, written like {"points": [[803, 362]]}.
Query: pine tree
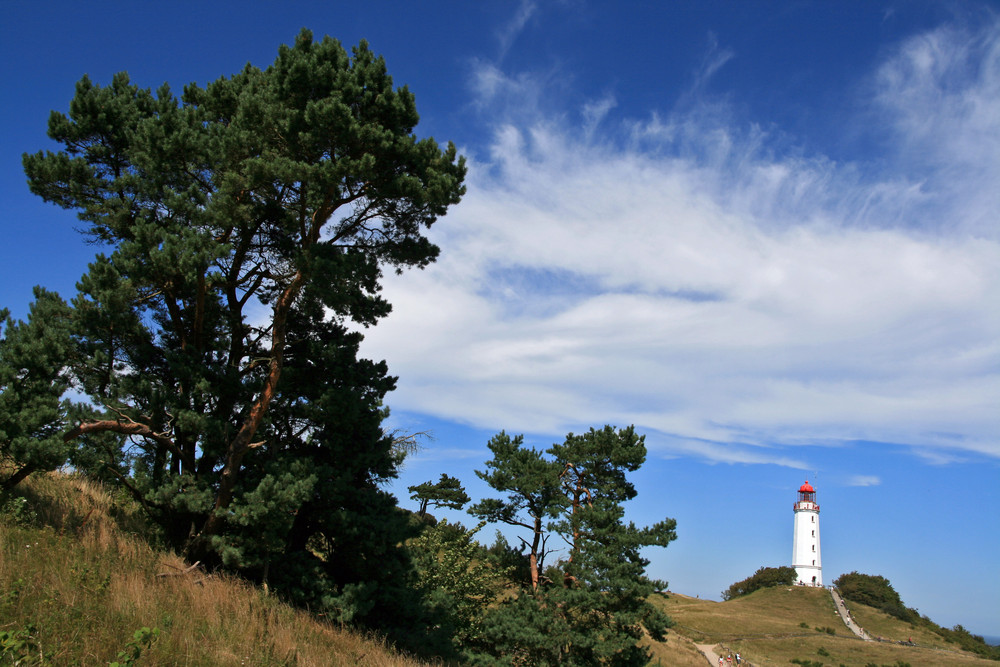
{"points": [[594, 608], [532, 486], [605, 589], [34, 375], [447, 492], [246, 227]]}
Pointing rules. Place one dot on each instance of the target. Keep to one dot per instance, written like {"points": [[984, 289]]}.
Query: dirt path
{"points": [[710, 654], [846, 617]]}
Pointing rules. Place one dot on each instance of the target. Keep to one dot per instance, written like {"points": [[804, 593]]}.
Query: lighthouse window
{"points": [[813, 519], [814, 533], [814, 562], [814, 547]]}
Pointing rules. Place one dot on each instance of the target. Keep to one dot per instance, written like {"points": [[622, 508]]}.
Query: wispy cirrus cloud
{"points": [[680, 273], [940, 97], [510, 30], [864, 480]]}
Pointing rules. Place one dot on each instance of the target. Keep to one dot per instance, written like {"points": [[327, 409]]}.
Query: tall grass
{"points": [[78, 577]]}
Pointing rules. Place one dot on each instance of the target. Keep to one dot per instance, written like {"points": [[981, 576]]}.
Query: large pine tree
{"points": [[246, 226]]}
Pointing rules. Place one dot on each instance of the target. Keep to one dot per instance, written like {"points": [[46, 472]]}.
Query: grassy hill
{"points": [[774, 626], [78, 579]]}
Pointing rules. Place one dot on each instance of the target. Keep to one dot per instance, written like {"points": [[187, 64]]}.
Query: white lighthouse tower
{"points": [[805, 542]]}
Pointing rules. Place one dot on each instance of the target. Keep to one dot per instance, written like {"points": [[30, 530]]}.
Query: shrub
{"points": [[872, 590], [763, 578]]}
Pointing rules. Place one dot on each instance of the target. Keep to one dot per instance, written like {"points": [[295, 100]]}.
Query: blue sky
{"points": [[765, 233]]}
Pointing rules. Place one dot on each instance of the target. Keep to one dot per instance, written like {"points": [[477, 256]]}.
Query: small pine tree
{"points": [[34, 375], [448, 492], [593, 608]]}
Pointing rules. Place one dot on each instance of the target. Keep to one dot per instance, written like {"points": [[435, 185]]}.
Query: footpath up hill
{"points": [[79, 580], [774, 626]]}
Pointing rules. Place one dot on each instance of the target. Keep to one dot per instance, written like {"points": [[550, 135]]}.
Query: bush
{"points": [[875, 591], [765, 577], [969, 641], [872, 590]]}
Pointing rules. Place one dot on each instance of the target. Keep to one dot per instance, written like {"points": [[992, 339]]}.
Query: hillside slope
{"points": [[773, 626], [78, 580]]}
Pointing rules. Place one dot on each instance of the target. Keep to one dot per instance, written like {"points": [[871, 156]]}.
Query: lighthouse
{"points": [[805, 541]]}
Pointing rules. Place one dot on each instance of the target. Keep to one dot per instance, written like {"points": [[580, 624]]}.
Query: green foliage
{"points": [[17, 510], [874, 591], [823, 652], [806, 662], [18, 647], [968, 641], [142, 639], [447, 492], [34, 374], [592, 608], [508, 558], [247, 226], [460, 579], [764, 577]]}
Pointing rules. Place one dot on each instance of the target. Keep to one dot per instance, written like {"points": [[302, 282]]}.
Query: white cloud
{"points": [[595, 112], [864, 480], [941, 95], [509, 32], [730, 302]]}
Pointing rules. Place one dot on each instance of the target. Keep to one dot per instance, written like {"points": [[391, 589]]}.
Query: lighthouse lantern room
{"points": [[805, 540]]}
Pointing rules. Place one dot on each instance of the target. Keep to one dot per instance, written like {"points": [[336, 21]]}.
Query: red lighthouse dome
{"points": [[807, 494]]}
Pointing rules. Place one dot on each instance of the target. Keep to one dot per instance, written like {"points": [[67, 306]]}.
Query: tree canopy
{"points": [[245, 226], [447, 492]]}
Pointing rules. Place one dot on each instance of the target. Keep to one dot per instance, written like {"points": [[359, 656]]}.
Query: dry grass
{"points": [[86, 584], [880, 624], [677, 651], [83, 574], [766, 628]]}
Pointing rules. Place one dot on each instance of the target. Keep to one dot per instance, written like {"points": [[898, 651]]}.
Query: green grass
{"points": [[78, 579]]}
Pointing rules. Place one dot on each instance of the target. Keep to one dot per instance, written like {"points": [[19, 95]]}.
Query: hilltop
{"points": [[774, 626]]}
